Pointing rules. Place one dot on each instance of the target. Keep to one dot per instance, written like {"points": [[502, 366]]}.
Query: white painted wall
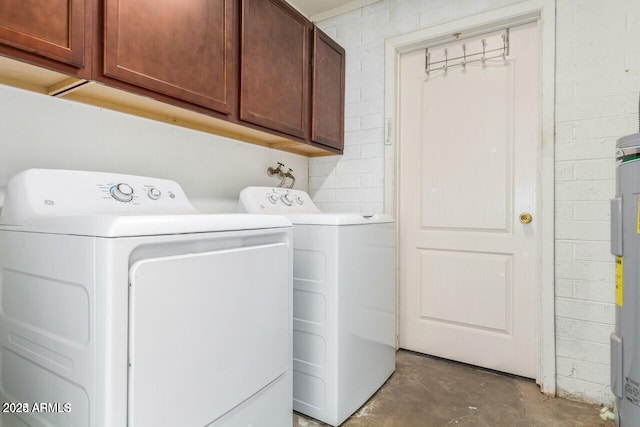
{"points": [[597, 84], [37, 131]]}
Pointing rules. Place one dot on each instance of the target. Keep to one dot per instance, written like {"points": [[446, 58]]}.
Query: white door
{"points": [[468, 167]]}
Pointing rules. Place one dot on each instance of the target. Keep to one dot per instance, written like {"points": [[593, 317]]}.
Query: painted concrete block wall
{"points": [[37, 131], [597, 84]]}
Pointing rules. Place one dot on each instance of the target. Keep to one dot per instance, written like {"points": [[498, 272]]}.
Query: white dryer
{"points": [[344, 317], [121, 305]]}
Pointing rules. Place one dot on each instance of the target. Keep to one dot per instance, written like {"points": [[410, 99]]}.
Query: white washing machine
{"points": [[344, 318], [120, 305]]}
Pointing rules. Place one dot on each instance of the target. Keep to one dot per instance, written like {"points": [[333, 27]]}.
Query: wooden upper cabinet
{"points": [[55, 30], [327, 95], [255, 70], [183, 49], [274, 64]]}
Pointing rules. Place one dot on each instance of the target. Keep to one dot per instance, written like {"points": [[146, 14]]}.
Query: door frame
{"points": [[543, 13]]}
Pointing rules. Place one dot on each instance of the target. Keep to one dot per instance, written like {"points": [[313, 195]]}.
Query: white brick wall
{"points": [[597, 84]]}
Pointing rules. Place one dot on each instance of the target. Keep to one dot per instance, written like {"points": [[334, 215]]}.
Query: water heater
{"points": [[625, 245]]}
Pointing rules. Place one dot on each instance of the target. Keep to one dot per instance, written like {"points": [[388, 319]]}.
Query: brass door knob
{"points": [[525, 218]]}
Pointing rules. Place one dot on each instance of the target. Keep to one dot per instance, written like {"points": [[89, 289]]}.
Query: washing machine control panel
{"points": [[275, 200]]}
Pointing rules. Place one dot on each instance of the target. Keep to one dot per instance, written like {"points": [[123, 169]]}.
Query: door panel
{"points": [[468, 166], [478, 136], [51, 28], [327, 96], [446, 296], [149, 42], [274, 61]]}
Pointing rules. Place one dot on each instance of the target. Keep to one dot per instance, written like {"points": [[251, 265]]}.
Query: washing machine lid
{"points": [[329, 218], [111, 205]]}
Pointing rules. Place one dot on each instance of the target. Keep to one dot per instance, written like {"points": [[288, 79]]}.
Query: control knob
{"points": [[154, 193], [273, 198], [287, 199], [122, 192]]}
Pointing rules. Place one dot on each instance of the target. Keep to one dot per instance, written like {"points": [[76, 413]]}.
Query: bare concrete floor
{"points": [[426, 391]]}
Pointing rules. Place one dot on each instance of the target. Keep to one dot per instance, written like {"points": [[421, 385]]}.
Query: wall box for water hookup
{"points": [[625, 245]]}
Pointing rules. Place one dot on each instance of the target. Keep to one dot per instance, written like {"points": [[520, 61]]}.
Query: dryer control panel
{"points": [[56, 193], [275, 200]]}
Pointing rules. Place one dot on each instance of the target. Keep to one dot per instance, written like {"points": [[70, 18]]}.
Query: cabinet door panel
{"points": [[327, 98], [274, 61], [51, 28], [179, 48]]}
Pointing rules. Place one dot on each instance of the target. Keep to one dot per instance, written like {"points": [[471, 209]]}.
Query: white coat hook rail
{"points": [[468, 58]]}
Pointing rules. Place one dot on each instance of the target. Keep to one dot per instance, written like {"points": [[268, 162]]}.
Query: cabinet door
{"points": [[53, 29], [274, 61], [182, 49], [327, 97]]}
